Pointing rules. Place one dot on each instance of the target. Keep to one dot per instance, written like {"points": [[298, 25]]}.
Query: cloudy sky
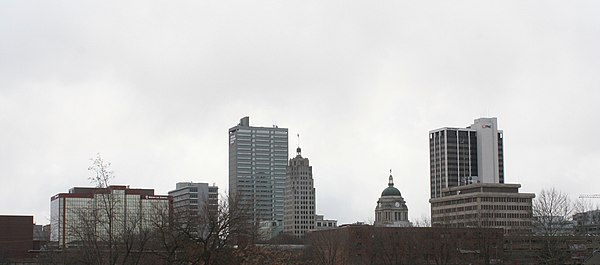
{"points": [[153, 86]]}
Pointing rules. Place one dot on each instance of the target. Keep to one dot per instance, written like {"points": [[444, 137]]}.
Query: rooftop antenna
{"points": [[298, 150]]}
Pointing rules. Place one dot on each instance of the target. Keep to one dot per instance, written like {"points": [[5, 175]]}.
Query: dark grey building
{"points": [[462, 156], [193, 199], [258, 159]]}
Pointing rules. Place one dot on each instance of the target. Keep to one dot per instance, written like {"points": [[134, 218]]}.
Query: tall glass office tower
{"points": [[463, 156], [257, 168]]}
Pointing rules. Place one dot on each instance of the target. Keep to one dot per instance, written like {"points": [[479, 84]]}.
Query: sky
{"points": [[154, 86]]}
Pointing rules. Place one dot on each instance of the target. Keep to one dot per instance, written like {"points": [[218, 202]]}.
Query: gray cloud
{"points": [[153, 86]]}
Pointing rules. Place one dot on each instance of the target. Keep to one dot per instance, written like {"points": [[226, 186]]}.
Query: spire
{"points": [[391, 183], [298, 150]]}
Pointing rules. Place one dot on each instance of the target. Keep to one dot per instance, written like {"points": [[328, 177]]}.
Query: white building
{"points": [[321, 223], [87, 212]]}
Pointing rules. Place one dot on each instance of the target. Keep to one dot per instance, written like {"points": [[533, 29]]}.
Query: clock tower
{"points": [[391, 208]]}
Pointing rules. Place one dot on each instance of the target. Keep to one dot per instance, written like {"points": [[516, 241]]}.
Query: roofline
{"points": [[458, 129]]}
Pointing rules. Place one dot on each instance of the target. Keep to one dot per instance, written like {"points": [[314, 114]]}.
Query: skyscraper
{"points": [[462, 156], [299, 210], [257, 167]]}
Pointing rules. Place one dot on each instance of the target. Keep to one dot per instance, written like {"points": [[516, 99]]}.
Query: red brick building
{"points": [[364, 244], [16, 237]]}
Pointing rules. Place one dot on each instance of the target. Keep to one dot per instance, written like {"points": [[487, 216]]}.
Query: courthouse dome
{"points": [[390, 190]]}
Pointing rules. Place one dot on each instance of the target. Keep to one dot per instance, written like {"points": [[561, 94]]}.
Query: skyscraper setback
{"points": [[462, 156], [258, 159], [299, 215]]}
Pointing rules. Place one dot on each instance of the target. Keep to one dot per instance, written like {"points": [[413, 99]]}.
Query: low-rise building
{"points": [[322, 223], [587, 223], [494, 205], [16, 237], [364, 244]]}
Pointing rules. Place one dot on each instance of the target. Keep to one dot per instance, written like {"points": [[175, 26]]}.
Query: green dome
{"points": [[390, 191]]}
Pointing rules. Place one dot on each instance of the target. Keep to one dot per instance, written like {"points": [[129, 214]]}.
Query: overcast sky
{"points": [[153, 86]]}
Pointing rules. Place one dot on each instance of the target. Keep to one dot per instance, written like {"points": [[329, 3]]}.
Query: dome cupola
{"points": [[390, 190]]}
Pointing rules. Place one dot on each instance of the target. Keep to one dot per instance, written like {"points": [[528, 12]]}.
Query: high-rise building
{"points": [[194, 199], [258, 158], [462, 156], [299, 206], [104, 212], [391, 208]]}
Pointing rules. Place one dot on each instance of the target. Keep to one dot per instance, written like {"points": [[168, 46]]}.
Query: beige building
{"points": [[299, 199], [484, 205]]}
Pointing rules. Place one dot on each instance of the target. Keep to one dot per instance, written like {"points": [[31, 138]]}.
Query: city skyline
{"points": [[153, 87]]}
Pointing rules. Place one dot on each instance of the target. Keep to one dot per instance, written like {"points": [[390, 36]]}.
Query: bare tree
{"points": [[325, 249], [552, 211], [423, 221], [103, 228], [208, 237]]}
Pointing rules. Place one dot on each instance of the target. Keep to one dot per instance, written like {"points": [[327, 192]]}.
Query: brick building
{"points": [[16, 237], [363, 244]]}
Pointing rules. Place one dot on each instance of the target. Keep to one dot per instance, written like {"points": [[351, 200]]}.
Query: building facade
{"points": [[365, 244], [462, 156], [258, 159], [194, 199], [105, 211], [16, 238], [587, 223], [391, 208], [321, 223], [492, 205], [299, 206]]}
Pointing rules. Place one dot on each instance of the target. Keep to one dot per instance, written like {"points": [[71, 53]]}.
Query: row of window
{"points": [[506, 207]]}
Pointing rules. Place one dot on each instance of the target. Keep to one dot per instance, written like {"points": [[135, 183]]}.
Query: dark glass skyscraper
{"points": [[461, 156], [257, 168]]}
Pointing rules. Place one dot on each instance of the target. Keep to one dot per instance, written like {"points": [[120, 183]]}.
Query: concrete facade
{"points": [[299, 206], [194, 198], [321, 223], [492, 205]]}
